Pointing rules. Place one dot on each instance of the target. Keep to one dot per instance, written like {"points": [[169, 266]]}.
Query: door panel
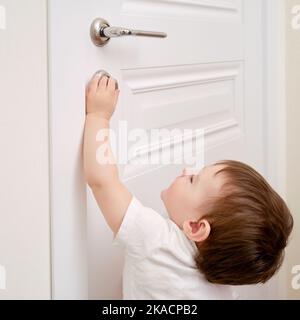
{"points": [[206, 74]]}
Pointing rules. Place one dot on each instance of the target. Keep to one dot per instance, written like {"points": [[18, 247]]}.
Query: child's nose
{"points": [[187, 171]]}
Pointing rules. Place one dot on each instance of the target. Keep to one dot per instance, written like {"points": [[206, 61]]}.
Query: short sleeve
{"points": [[141, 230]]}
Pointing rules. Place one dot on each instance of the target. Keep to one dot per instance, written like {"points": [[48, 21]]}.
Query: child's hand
{"points": [[101, 96]]}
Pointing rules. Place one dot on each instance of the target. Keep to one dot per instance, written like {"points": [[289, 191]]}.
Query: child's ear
{"points": [[196, 231]]}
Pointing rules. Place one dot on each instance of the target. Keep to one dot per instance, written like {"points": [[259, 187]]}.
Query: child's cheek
{"points": [[177, 191]]}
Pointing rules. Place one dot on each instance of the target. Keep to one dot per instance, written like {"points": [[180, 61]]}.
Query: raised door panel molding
{"points": [[208, 97], [184, 8]]}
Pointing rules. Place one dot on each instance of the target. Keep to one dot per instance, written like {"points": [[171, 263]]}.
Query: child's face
{"points": [[186, 197]]}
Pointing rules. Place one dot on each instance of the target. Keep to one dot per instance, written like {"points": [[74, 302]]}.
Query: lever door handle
{"points": [[101, 32]]}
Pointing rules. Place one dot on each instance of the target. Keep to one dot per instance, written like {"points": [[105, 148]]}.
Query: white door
{"points": [[207, 74]]}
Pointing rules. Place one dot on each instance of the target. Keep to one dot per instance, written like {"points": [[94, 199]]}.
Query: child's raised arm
{"points": [[100, 170]]}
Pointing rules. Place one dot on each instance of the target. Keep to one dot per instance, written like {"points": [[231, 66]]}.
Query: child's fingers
{"points": [[112, 84], [93, 84], [103, 82]]}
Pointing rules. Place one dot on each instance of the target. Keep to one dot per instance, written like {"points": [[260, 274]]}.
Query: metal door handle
{"points": [[101, 32]]}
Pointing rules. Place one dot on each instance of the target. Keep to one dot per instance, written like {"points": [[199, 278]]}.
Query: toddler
{"points": [[226, 224]]}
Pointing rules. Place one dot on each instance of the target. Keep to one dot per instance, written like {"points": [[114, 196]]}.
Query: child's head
{"points": [[238, 222]]}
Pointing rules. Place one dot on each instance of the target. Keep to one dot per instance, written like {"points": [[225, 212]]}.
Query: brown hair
{"points": [[250, 226]]}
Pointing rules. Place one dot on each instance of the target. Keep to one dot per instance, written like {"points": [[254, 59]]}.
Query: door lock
{"points": [[103, 73]]}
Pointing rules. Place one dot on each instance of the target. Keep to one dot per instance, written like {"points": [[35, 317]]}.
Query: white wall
{"points": [[293, 150], [24, 167]]}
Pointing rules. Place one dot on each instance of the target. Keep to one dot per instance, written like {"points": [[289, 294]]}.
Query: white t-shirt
{"points": [[159, 261]]}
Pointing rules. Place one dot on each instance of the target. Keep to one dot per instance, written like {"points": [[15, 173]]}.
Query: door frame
{"points": [[70, 278]]}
